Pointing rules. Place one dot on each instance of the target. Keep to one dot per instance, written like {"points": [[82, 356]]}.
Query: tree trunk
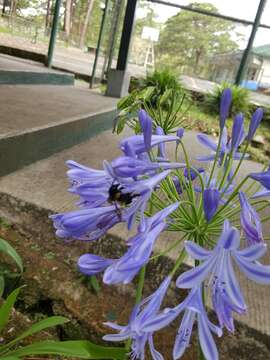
{"points": [[48, 15], [86, 21], [13, 7], [67, 19]]}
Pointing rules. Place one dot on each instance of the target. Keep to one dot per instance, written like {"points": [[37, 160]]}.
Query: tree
{"points": [[86, 21], [67, 18], [188, 39]]}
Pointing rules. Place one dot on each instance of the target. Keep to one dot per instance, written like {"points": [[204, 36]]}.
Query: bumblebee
{"points": [[116, 196]]}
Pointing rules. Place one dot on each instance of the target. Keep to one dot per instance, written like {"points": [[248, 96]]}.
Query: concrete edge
{"points": [[24, 54], [15, 77], [16, 150]]}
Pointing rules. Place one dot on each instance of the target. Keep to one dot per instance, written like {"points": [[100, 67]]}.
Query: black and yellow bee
{"points": [[116, 195]]}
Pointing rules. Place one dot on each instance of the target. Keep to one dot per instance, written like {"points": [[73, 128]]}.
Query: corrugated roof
{"points": [[263, 50]]}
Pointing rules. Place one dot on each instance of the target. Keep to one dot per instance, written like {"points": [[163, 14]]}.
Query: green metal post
{"points": [[100, 35], [245, 58], [53, 32]]}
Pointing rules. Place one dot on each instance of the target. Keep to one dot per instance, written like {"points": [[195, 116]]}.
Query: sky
{"points": [[244, 9]]}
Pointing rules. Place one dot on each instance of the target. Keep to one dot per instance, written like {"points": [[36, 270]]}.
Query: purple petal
{"points": [[206, 340], [205, 158], [253, 252], [207, 141], [254, 271], [155, 354], [90, 264], [254, 123], [184, 334], [232, 285], [261, 193], [238, 132], [161, 146], [211, 199], [146, 126], [230, 237], [225, 105], [196, 251], [180, 132], [194, 277], [263, 178]]}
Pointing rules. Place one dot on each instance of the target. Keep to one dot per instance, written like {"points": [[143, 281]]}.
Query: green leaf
{"points": [[78, 348], [165, 97], [6, 308], [10, 358], [94, 284], [120, 124], [39, 326], [9, 250], [146, 93], [2, 285]]}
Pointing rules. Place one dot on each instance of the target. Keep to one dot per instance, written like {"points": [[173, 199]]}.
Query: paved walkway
{"points": [[24, 107], [69, 58], [205, 86]]}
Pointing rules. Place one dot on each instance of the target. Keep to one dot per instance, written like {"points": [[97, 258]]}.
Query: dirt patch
{"points": [[54, 287]]}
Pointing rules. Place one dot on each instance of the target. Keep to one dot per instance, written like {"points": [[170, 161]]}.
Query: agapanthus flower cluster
{"points": [[216, 212]]}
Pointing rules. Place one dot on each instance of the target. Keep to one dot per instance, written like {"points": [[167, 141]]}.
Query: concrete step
{"points": [[29, 195], [37, 121], [15, 71]]}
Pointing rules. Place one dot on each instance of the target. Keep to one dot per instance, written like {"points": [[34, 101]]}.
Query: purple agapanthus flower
{"points": [[87, 223], [193, 310], [226, 145], [191, 174], [137, 142], [90, 264], [225, 106], [140, 248], [263, 178], [180, 132], [238, 132], [90, 184], [211, 199], [226, 189], [129, 167], [254, 123], [217, 264], [250, 221], [146, 126], [134, 329], [161, 155]]}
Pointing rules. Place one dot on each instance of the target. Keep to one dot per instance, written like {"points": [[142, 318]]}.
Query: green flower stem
{"points": [[226, 173], [238, 167], [179, 260], [139, 289], [233, 195], [215, 160], [266, 218], [168, 249], [192, 194]]}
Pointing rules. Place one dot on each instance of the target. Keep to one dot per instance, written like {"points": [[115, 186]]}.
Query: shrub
{"points": [[240, 100]]}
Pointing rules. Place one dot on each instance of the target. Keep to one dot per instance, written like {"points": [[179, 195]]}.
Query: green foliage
{"points": [[188, 39], [240, 102], [79, 348], [8, 250], [161, 95]]}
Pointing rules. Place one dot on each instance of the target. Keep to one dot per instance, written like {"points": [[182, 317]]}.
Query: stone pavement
{"points": [[16, 71], [42, 187], [204, 86], [37, 121]]}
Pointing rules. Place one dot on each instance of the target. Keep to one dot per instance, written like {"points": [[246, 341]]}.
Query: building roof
{"points": [[263, 50]]}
